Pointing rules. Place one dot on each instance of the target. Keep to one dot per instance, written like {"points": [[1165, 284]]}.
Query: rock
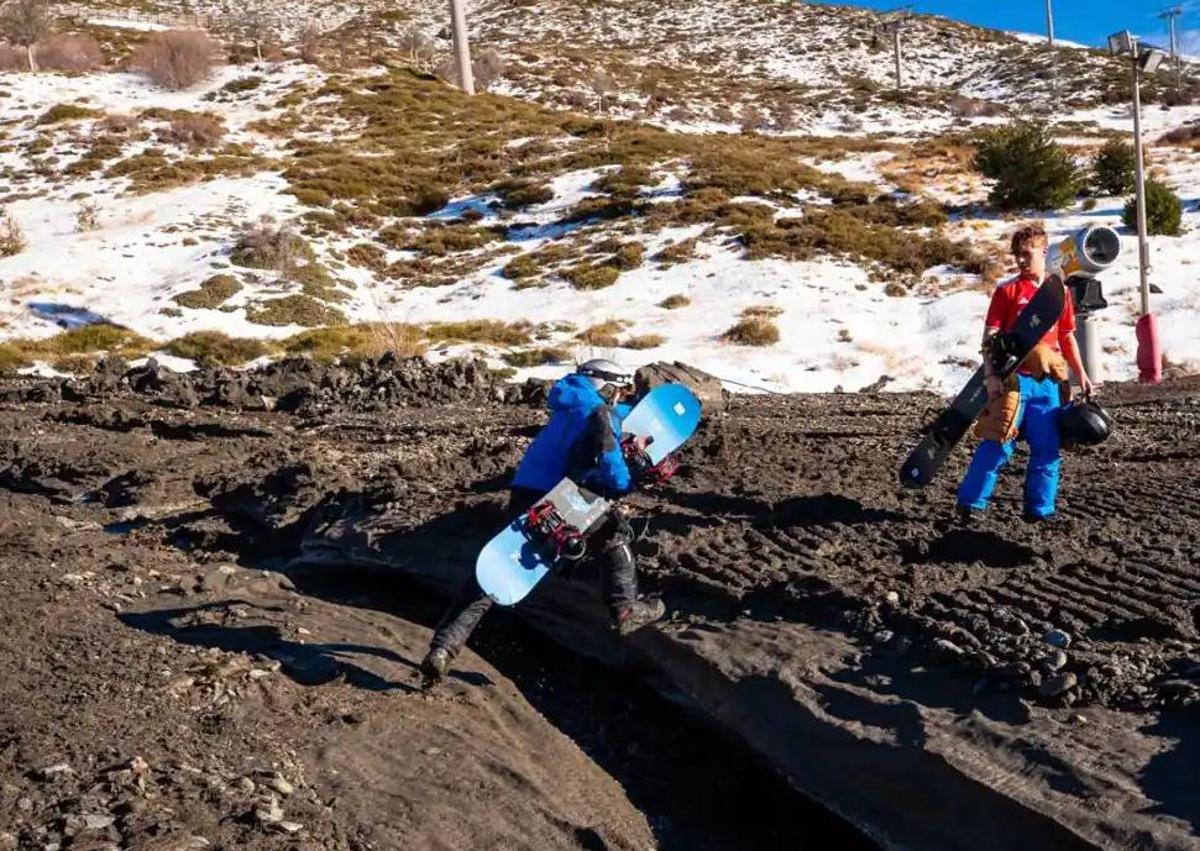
{"points": [[138, 765], [1057, 638], [290, 826], [97, 821], [25, 805], [883, 636], [245, 784], [1055, 661], [892, 598], [53, 772], [1056, 684], [8, 842], [707, 388], [269, 812], [280, 784], [947, 649]]}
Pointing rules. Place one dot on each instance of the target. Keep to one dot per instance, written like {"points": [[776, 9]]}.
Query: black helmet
{"points": [[1084, 423]]}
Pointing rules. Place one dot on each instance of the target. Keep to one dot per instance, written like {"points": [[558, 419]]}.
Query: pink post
{"points": [[1149, 350]]}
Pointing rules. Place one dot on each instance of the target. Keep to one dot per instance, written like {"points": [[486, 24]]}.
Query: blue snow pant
{"points": [[1037, 419]]}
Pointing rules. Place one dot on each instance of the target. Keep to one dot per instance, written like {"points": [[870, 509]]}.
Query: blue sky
{"points": [[1086, 21]]}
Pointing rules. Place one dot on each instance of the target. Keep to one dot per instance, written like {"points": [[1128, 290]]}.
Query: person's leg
{"points": [[620, 577], [469, 606], [980, 481], [1041, 430]]}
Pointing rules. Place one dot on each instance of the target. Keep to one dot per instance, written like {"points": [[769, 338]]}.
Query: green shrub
{"points": [[212, 293], [1164, 212], [1114, 167], [1031, 170], [213, 347]]}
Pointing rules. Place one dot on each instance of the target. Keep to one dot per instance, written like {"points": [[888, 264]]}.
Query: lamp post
{"points": [[893, 27], [1142, 58], [1170, 15], [462, 49]]}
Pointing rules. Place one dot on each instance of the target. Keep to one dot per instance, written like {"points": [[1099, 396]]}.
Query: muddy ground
{"points": [[215, 592]]}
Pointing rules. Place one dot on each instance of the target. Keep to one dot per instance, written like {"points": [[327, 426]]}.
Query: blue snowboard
{"points": [[517, 559]]}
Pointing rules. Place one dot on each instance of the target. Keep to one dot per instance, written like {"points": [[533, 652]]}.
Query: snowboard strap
{"points": [[644, 469], [544, 519]]}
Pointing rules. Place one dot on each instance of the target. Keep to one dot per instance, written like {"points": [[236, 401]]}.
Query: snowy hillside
{"points": [[844, 244]]}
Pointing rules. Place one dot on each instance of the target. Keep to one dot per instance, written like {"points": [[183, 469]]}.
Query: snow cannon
{"points": [[1076, 261], [1084, 254]]}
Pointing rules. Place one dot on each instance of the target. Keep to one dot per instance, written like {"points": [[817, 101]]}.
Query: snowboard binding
{"points": [[544, 521], [643, 467]]}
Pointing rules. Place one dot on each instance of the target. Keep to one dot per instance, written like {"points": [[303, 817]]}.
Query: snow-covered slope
{"points": [[170, 212]]}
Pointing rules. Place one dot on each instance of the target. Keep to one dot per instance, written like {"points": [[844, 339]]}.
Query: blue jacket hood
{"points": [[574, 393]]}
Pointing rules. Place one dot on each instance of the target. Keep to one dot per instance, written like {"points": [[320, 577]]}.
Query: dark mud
{"points": [[1046, 674]]}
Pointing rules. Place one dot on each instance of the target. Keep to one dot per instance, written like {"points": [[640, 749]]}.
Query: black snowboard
{"points": [[1043, 310]]}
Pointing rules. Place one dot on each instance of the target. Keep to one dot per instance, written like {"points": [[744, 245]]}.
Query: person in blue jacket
{"points": [[582, 440]]}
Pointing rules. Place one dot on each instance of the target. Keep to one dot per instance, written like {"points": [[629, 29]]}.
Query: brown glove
{"points": [[999, 419]]}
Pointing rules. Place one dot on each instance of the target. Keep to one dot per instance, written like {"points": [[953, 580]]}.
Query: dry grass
{"points": [[70, 52], [674, 302], [488, 331], [603, 335], [175, 59], [753, 332], [12, 236], [357, 341], [294, 310], [208, 348], [61, 112], [212, 293], [761, 311], [644, 341], [537, 357]]}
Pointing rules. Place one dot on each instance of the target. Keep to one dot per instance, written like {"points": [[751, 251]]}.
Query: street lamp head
{"points": [[1120, 43], [1149, 58]]}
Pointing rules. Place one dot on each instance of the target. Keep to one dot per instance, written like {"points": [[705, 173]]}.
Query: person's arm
{"points": [[611, 472], [990, 380], [1070, 346], [1070, 350], [991, 327]]}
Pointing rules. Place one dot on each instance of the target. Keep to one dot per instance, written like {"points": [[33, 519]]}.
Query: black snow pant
{"points": [[615, 537]]}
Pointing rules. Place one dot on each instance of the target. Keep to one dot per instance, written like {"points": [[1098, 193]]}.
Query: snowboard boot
{"points": [[638, 614], [435, 667]]}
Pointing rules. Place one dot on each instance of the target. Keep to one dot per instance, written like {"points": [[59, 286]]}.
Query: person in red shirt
{"points": [[1037, 416]]}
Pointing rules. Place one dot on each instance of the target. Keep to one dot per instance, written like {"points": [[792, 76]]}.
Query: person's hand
{"points": [[995, 387], [1086, 387]]}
